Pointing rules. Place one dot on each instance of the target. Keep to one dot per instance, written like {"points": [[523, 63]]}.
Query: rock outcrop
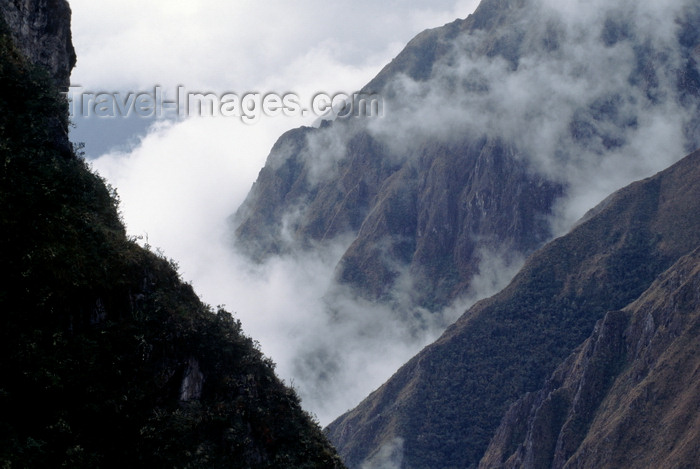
{"points": [[42, 31], [192, 381], [434, 216]]}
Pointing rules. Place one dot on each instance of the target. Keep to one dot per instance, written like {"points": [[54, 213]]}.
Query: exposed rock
{"points": [[447, 402], [41, 29], [192, 381], [630, 393], [436, 209], [541, 418], [433, 212]]}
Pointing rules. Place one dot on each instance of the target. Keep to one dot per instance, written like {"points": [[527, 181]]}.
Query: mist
{"points": [[183, 179], [590, 102], [180, 180]]}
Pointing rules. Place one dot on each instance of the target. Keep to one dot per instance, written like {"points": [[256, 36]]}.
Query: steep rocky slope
{"points": [[489, 122], [107, 359], [424, 215], [496, 127], [444, 405], [41, 30], [630, 392]]}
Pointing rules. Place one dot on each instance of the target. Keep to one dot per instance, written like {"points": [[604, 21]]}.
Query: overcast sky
{"points": [[179, 180], [303, 47], [240, 46]]}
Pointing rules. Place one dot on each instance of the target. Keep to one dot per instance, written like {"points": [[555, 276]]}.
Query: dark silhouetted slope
{"points": [[107, 359]]}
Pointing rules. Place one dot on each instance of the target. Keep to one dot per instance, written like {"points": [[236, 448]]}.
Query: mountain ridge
{"points": [[446, 401], [595, 409], [412, 195], [500, 131]]}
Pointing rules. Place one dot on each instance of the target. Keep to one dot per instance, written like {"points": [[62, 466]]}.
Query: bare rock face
{"points": [[41, 32], [192, 381], [551, 421], [446, 403], [604, 406], [435, 203], [41, 29], [434, 210]]}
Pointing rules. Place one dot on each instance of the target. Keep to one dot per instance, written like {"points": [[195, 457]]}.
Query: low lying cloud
{"points": [[329, 344], [589, 99], [389, 456], [180, 182]]}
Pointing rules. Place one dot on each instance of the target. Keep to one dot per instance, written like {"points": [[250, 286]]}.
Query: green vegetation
{"points": [[447, 402], [97, 334], [605, 404]]}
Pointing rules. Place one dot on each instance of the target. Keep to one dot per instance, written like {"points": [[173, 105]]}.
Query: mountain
{"points": [[107, 358], [442, 408], [499, 131], [629, 393], [492, 126], [432, 210]]}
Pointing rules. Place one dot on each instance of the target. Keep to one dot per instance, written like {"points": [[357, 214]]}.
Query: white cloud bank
{"points": [[180, 181]]}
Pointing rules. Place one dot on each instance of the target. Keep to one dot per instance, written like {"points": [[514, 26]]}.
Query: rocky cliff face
{"points": [[491, 122], [629, 393], [430, 212], [444, 405], [41, 30], [494, 126], [434, 216]]}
